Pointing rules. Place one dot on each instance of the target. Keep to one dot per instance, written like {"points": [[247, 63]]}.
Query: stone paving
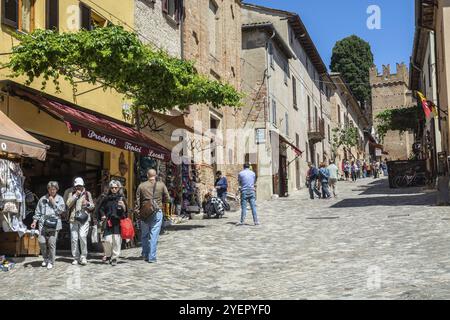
{"points": [[370, 243]]}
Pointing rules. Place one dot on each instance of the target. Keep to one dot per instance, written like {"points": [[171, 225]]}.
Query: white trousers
{"points": [[79, 232], [112, 245]]}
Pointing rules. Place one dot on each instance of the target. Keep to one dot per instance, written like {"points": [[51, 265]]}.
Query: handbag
{"points": [[51, 223], [126, 229], [81, 216], [149, 207]]}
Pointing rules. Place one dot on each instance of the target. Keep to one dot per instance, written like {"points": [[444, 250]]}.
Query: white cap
{"points": [[78, 182]]}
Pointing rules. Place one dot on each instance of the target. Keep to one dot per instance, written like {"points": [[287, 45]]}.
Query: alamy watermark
{"points": [[374, 19]]}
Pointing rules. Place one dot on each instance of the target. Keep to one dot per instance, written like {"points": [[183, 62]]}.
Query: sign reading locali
{"points": [[119, 143]]}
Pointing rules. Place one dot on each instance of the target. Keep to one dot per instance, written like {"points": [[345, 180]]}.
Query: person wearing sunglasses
{"points": [[113, 209]]}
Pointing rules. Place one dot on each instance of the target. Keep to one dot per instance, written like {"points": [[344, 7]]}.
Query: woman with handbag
{"points": [[112, 210], [48, 214], [79, 204]]}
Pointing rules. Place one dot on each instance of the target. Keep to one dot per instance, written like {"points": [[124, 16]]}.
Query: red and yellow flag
{"points": [[425, 105]]}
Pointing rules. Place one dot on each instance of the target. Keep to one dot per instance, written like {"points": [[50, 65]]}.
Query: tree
{"points": [[115, 58], [353, 58], [346, 137], [401, 119]]}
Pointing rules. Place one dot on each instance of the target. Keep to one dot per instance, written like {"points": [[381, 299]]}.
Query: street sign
{"points": [[260, 135]]}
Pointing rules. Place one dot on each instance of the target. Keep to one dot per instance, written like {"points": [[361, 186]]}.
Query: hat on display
{"points": [[78, 182]]}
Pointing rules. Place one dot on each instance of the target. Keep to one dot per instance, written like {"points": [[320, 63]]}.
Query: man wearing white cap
{"points": [[79, 205]]}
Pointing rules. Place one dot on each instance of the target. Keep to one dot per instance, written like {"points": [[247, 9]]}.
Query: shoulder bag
{"points": [[149, 207]]}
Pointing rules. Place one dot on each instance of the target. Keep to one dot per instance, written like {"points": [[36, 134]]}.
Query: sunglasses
{"points": [[114, 187]]}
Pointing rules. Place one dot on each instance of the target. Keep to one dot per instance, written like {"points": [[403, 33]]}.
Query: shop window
{"points": [[18, 14], [52, 14]]}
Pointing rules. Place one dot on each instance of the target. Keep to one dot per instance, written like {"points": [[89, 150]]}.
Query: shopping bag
{"points": [[126, 229], [94, 234]]}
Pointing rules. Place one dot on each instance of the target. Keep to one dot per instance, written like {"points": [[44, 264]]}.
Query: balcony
{"points": [[316, 130]]}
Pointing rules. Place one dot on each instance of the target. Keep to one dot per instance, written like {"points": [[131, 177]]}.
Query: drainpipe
{"points": [[266, 120], [181, 29]]}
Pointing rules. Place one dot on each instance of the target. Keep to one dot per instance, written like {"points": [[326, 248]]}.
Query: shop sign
{"points": [[378, 152], [126, 145]]}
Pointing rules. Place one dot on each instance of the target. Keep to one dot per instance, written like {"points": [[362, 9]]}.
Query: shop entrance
{"points": [[63, 163]]}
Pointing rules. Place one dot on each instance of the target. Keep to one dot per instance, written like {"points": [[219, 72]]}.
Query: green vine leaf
{"points": [[117, 59]]}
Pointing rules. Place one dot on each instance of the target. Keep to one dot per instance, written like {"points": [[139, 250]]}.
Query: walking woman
{"points": [[48, 214], [80, 204], [353, 169], [113, 209]]}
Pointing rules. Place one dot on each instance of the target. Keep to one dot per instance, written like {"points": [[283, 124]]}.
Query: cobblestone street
{"points": [[370, 243]]}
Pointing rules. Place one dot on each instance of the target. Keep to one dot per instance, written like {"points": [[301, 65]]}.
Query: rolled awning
{"points": [[15, 140], [96, 126], [297, 151]]}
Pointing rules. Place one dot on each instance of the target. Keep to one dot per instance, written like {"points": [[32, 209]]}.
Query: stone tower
{"points": [[390, 91]]}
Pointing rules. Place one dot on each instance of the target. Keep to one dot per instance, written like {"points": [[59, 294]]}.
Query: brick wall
{"points": [[224, 65]]}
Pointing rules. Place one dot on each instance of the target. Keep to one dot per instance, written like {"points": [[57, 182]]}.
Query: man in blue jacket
{"points": [[313, 175], [221, 186]]}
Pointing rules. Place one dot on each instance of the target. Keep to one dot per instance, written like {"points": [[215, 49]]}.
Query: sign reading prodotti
{"points": [[146, 151]]}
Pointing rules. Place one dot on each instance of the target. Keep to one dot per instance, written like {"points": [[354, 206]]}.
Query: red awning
{"points": [[96, 127]]}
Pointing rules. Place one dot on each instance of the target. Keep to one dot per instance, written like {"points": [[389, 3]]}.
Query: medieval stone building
{"points": [[390, 91]]}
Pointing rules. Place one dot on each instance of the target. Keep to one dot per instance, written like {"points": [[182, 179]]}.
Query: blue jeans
{"points": [[313, 189], [325, 191], [150, 233], [248, 195]]}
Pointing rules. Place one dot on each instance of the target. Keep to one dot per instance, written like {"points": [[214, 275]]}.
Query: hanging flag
{"points": [[433, 107], [425, 105]]}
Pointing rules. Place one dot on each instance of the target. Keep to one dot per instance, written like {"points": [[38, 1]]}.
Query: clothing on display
{"points": [[12, 197]]}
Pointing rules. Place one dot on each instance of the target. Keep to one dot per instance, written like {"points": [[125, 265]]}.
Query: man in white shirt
{"points": [[332, 181]]}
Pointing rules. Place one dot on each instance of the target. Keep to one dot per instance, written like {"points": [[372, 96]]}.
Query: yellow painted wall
{"points": [[28, 117], [118, 12]]}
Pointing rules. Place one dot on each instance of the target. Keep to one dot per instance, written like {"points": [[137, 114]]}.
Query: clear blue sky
{"points": [[330, 20]]}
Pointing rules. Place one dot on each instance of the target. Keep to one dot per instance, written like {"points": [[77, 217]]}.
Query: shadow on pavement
{"points": [[183, 227], [412, 200], [381, 186]]}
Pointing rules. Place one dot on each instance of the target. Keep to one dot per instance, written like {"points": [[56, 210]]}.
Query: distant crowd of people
{"points": [[321, 180]]}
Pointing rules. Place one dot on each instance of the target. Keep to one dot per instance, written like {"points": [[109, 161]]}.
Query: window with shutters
{"points": [[18, 14], [52, 14], [90, 19], [294, 92], [213, 28], [173, 9]]}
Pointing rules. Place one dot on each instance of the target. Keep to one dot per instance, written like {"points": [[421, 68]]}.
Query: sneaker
{"points": [[114, 262], [44, 263], [75, 262], [49, 266], [152, 261], [83, 261], [239, 224], [257, 223]]}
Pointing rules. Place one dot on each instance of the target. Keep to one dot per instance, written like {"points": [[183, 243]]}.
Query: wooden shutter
{"points": [[178, 10], [10, 13], [165, 6], [52, 14], [85, 13]]}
